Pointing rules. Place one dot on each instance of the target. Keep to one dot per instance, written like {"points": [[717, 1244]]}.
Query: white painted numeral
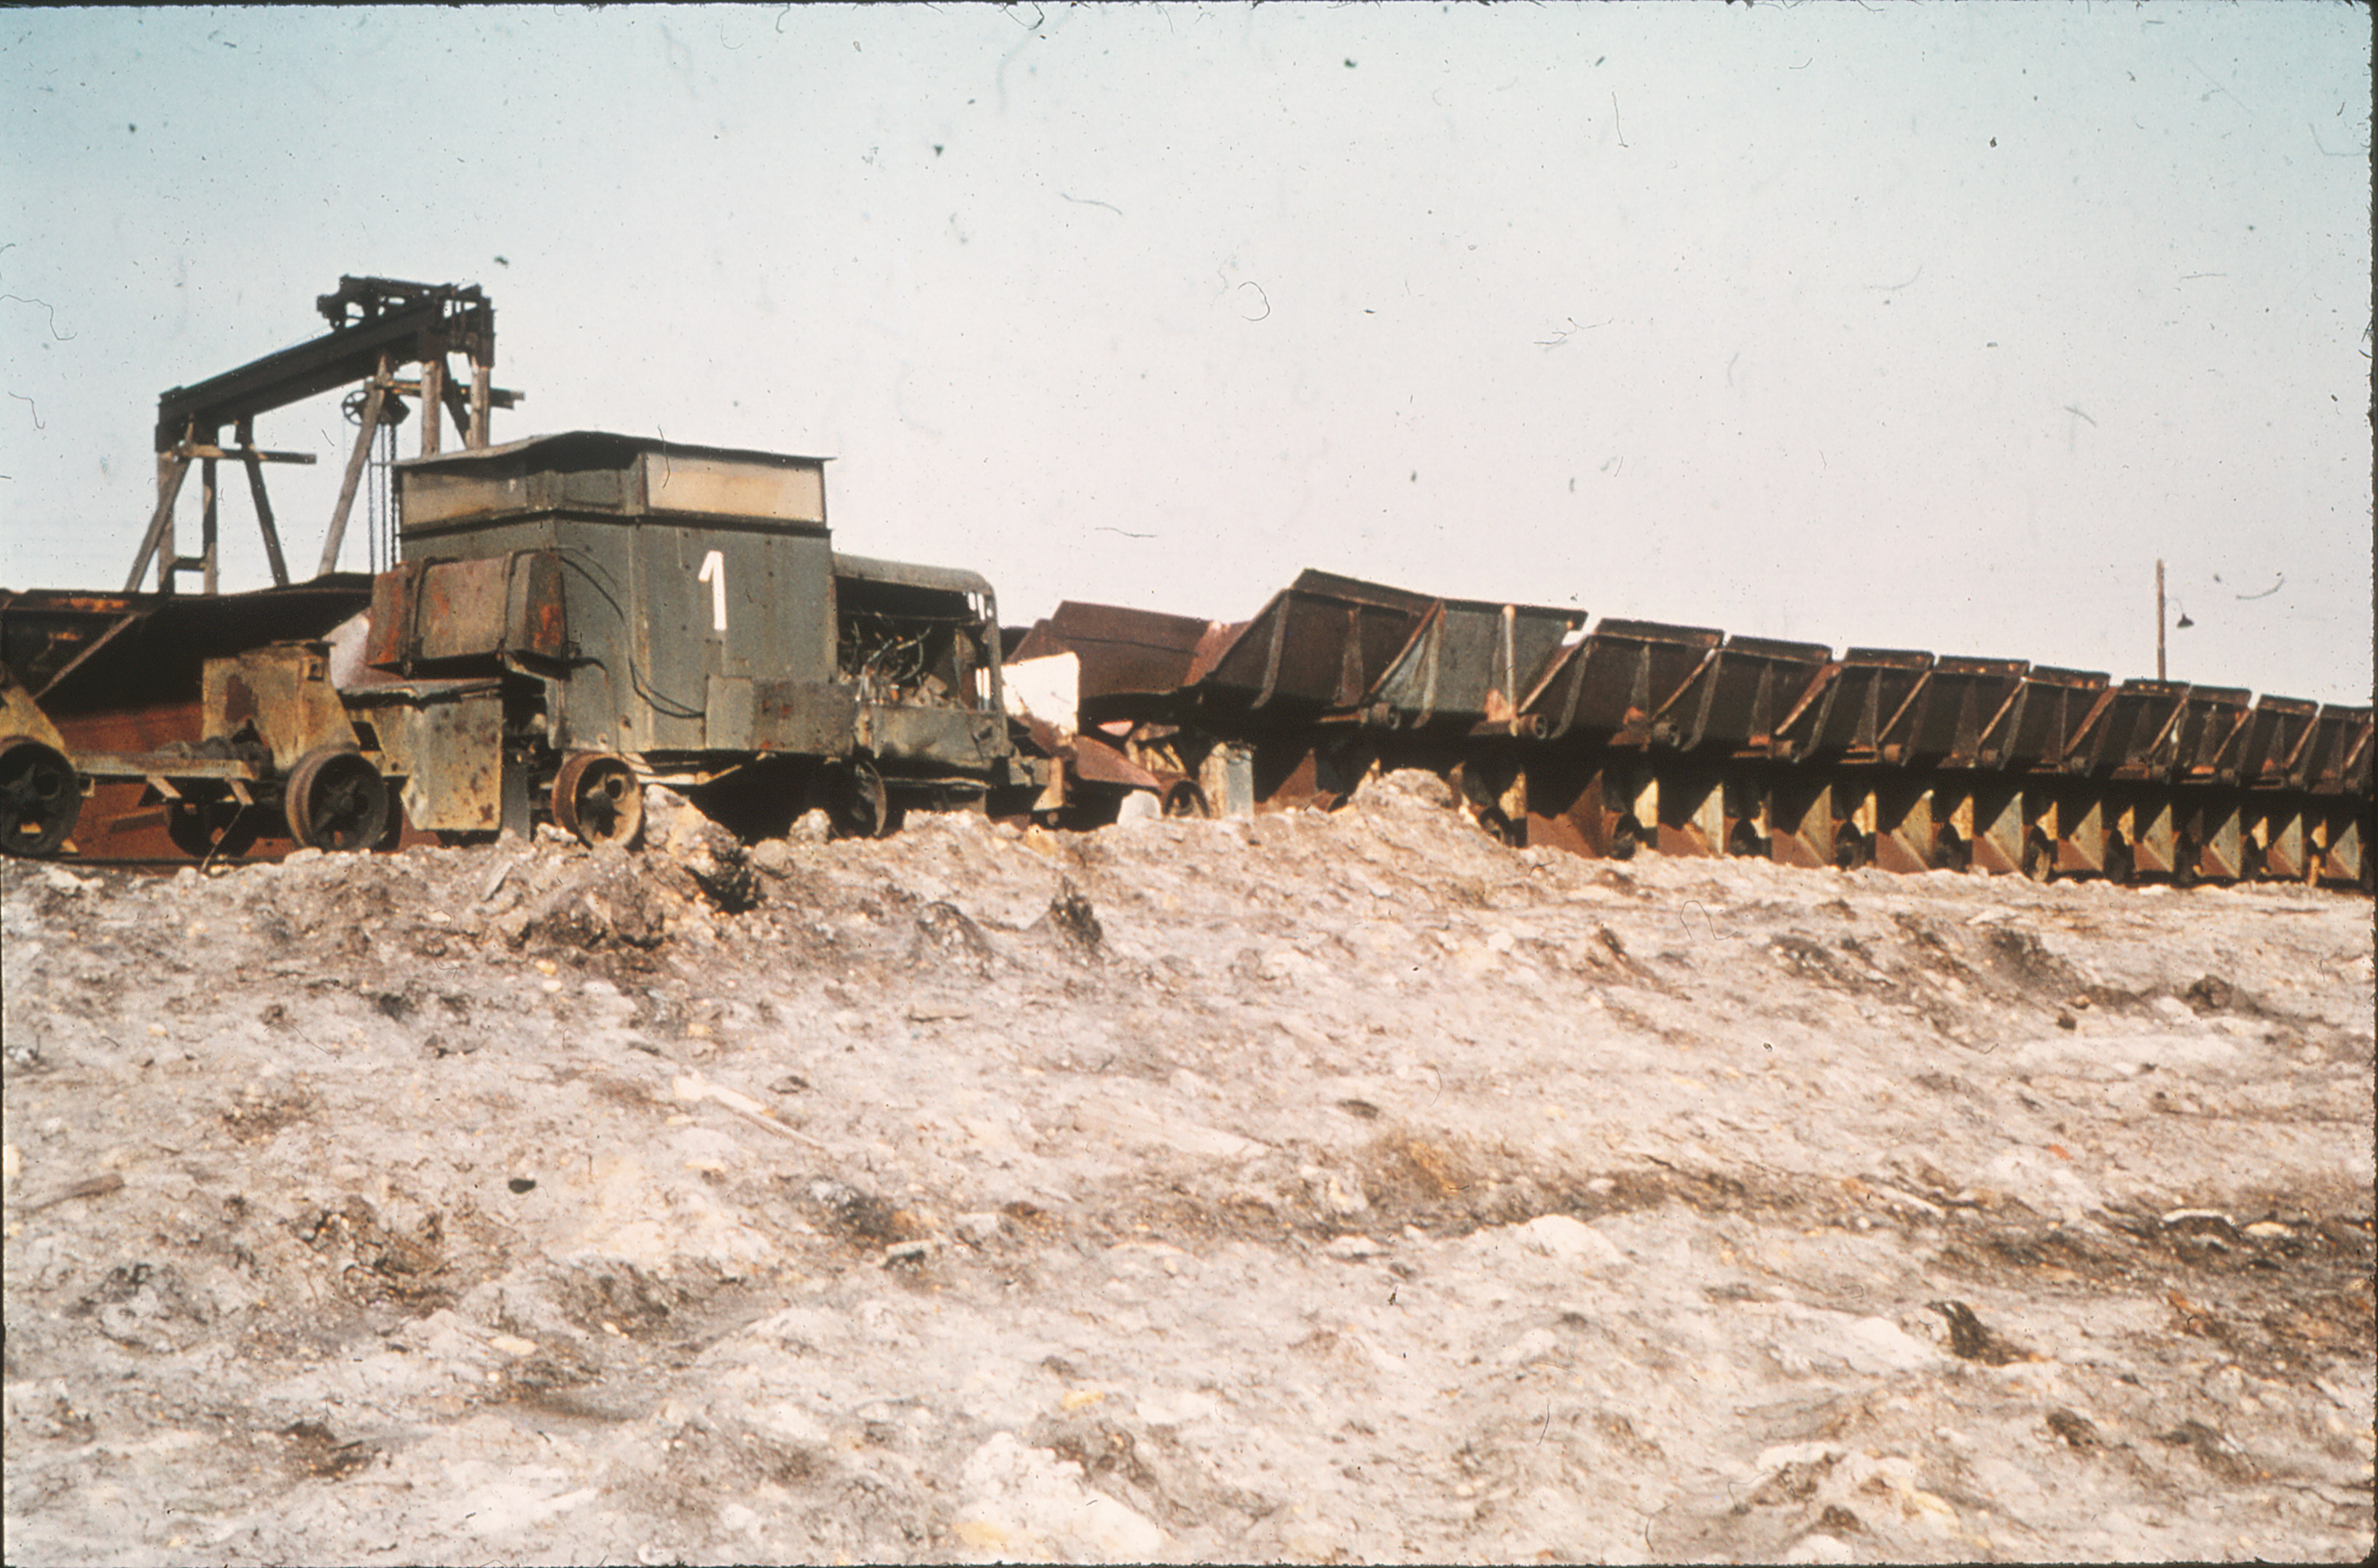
{"points": [[713, 571]]}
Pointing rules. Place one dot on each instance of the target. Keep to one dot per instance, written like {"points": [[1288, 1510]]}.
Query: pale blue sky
{"points": [[1893, 326]]}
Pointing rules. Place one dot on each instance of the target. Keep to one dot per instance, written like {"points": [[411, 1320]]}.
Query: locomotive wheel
{"points": [[39, 797], [336, 800], [596, 797], [859, 806]]}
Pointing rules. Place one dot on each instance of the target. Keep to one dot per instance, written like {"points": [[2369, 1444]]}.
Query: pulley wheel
{"points": [[596, 796], [39, 797], [858, 805], [336, 800]]}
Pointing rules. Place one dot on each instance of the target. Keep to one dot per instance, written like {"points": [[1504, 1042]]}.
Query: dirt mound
{"points": [[1315, 1185]]}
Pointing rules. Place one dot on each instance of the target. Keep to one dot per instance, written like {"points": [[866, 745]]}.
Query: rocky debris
{"points": [[1379, 1193], [692, 848], [1972, 1340]]}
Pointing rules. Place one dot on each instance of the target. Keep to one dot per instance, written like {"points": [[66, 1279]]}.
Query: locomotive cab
{"points": [[680, 609]]}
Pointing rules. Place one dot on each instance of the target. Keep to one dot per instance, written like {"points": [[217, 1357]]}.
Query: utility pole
{"points": [[2159, 675]]}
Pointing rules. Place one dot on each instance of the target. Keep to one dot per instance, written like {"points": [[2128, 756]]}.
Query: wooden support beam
{"points": [[210, 573], [254, 462], [170, 469], [241, 454], [433, 402], [374, 401], [480, 370]]}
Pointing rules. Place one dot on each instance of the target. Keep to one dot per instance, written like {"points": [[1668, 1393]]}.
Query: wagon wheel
{"points": [[1949, 849], [2186, 862], [1500, 828], [2039, 857], [857, 804], [336, 800], [596, 797], [1744, 840], [1186, 799], [217, 828], [1852, 848], [39, 797], [1626, 836], [2119, 863]]}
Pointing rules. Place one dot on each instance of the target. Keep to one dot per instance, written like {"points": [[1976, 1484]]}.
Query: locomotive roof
{"points": [[596, 448]]}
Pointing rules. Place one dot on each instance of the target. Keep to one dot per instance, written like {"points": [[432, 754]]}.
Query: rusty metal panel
{"points": [[93, 654], [2213, 732], [1740, 694], [1471, 661], [438, 613], [2217, 829], [444, 739], [2132, 734], [730, 712], [1122, 652], [2341, 836], [806, 717], [1321, 642], [2337, 759], [284, 691], [1615, 678], [2278, 735], [21, 715], [942, 737], [1953, 708], [1852, 705], [2039, 724], [1097, 762]]}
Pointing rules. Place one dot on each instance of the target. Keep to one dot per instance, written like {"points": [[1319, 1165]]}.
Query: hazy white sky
{"points": [[1880, 325]]}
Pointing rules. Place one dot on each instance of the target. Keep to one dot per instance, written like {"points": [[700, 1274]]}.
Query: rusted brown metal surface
{"points": [[1611, 680], [1469, 662], [1321, 644], [1852, 705], [1123, 653], [428, 616]]}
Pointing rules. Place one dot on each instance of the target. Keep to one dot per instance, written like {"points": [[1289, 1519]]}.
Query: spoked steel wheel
{"points": [[596, 797], [39, 797], [336, 800]]}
